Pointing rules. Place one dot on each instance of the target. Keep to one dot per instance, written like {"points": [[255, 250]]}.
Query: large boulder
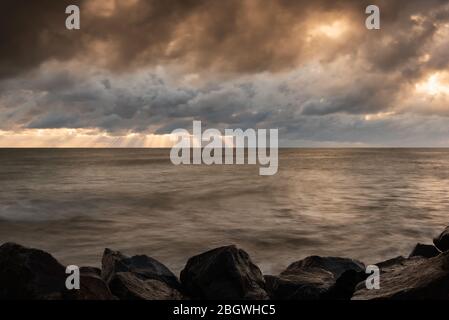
{"points": [[223, 273], [398, 263], [316, 278], [337, 266], [414, 278], [92, 286], [442, 241], [425, 251], [129, 286], [30, 274], [139, 277]]}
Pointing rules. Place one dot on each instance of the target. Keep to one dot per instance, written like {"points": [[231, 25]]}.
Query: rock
{"points": [[424, 250], [415, 278], [337, 266], [138, 277], [442, 241], [223, 273], [90, 271], [305, 285], [30, 274], [129, 286], [345, 285], [144, 266], [398, 263], [393, 265], [92, 286], [317, 278]]}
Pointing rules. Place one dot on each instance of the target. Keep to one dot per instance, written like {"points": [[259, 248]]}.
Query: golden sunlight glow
{"points": [[106, 8], [80, 138], [434, 85], [333, 30], [92, 138], [378, 116]]}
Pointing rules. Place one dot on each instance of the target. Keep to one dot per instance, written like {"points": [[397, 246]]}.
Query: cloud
{"points": [[309, 68], [152, 101], [225, 36]]}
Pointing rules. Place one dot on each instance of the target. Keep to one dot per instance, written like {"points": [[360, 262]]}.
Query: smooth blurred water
{"points": [[369, 204]]}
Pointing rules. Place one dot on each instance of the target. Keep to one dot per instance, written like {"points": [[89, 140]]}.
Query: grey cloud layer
{"points": [[256, 64], [152, 101]]}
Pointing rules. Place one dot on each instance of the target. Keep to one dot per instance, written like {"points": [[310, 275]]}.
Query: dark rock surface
{"points": [[415, 278], [317, 278], [144, 266], [129, 286], [442, 241], [425, 251], [92, 286], [397, 262], [223, 273], [30, 274], [393, 265], [138, 277], [91, 271], [337, 266]]}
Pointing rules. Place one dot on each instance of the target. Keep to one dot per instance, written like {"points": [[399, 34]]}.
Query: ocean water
{"points": [[369, 204]]}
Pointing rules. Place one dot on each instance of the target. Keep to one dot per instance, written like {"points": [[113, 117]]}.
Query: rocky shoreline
{"points": [[226, 273]]}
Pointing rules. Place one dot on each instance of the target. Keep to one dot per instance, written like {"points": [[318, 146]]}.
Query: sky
{"points": [[138, 69]]}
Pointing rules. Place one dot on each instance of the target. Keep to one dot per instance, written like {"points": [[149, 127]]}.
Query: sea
{"points": [[367, 204]]}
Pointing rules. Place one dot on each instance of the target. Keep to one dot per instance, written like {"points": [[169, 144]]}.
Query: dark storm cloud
{"points": [[256, 63], [32, 32], [148, 102], [232, 35]]}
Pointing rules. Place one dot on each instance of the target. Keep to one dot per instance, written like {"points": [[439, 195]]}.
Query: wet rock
{"points": [[425, 251], [129, 286], [305, 285], [442, 241], [316, 278], [223, 273], [391, 263], [345, 285], [92, 286], [138, 277], [91, 271], [398, 263], [30, 274], [337, 266], [415, 278], [144, 266]]}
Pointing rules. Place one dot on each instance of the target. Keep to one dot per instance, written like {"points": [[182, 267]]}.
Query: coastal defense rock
{"points": [[138, 277], [425, 251], [91, 271], [305, 285], [129, 286], [30, 274], [223, 273], [144, 266], [337, 266], [415, 278], [396, 264], [316, 278], [92, 286], [442, 241]]}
